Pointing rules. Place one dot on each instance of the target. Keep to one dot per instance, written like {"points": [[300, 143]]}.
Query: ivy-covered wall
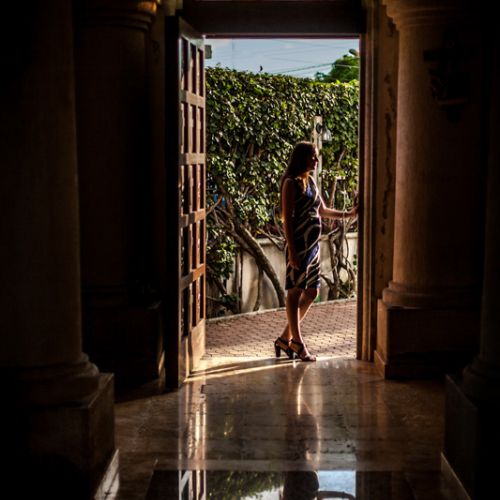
{"points": [[253, 122]]}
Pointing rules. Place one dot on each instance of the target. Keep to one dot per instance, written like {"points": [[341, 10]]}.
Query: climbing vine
{"points": [[253, 122]]}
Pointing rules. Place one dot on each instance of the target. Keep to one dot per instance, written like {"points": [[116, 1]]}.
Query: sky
{"points": [[294, 57]]}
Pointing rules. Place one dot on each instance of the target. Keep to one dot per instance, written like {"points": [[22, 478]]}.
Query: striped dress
{"points": [[306, 223]]}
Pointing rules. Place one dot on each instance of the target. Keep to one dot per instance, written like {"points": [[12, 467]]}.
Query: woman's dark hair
{"points": [[297, 164]]}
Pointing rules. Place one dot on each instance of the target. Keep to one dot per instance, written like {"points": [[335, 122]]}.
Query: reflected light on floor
{"points": [[239, 369], [278, 485]]}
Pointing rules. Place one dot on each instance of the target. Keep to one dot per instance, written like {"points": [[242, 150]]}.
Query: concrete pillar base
{"points": [[52, 450], [125, 340], [453, 481], [413, 342], [471, 454]]}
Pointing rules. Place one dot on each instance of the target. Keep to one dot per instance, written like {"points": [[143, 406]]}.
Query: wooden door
{"points": [[185, 175]]}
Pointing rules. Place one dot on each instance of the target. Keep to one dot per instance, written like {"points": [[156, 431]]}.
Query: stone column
{"points": [[378, 157], [121, 329], [428, 318], [57, 410], [473, 400]]}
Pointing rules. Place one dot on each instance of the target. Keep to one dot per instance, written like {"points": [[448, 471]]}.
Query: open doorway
{"points": [[263, 96], [186, 147]]}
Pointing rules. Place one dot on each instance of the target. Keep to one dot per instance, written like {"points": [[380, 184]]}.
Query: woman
{"points": [[301, 209]]}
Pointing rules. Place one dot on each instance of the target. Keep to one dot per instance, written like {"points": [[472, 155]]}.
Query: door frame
{"points": [[320, 19]]}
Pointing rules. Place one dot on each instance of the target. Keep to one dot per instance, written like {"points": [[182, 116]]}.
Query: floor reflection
{"points": [[291, 485], [273, 417]]}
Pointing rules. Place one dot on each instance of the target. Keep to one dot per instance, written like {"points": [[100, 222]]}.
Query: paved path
{"points": [[329, 330]]}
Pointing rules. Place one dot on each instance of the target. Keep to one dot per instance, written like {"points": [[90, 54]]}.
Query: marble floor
{"points": [[281, 429]]}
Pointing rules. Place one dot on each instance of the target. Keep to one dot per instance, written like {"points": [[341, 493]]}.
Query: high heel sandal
{"points": [[281, 344], [301, 351]]}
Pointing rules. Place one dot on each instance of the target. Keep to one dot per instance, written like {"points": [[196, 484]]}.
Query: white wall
{"points": [[277, 259]]}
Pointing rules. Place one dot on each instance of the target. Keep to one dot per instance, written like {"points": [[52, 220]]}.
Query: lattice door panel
{"points": [[187, 165]]}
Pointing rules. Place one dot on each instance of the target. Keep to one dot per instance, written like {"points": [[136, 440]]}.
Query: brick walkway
{"points": [[329, 330]]}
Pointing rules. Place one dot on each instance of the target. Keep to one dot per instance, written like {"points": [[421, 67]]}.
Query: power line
{"points": [[304, 47], [240, 55], [293, 70], [232, 50]]}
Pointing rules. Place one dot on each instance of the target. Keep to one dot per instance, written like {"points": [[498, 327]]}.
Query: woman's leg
{"points": [[292, 312], [306, 300]]}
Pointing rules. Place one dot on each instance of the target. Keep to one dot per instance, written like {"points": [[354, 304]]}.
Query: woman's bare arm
{"points": [[287, 205], [331, 213]]}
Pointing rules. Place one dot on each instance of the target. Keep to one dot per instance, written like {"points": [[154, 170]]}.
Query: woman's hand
{"points": [[355, 208], [353, 212]]}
